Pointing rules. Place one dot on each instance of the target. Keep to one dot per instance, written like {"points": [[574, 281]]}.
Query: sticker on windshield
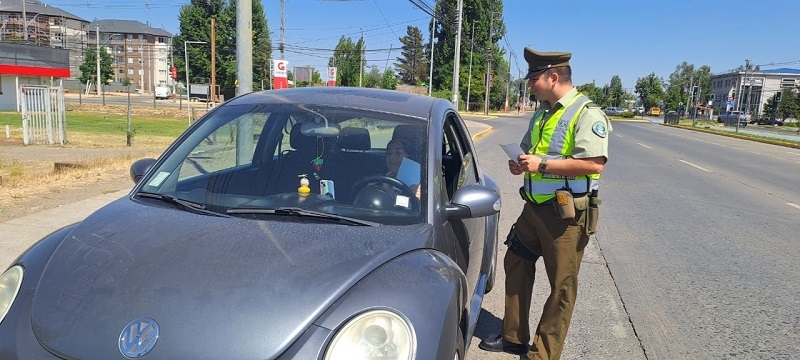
{"points": [[401, 201], [158, 179]]}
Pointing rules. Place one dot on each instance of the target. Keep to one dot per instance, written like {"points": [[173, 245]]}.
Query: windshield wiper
{"points": [[186, 204], [295, 211]]}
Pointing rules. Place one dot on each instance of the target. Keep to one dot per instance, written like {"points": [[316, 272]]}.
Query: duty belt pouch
{"points": [[564, 204], [592, 214]]}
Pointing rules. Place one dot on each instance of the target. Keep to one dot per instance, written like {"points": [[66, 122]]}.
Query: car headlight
{"points": [[10, 282], [377, 334]]}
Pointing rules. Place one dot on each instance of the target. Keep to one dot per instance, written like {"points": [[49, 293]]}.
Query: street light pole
{"points": [[186, 59]]}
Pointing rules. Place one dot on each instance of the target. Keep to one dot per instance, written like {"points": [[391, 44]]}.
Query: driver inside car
{"points": [[395, 153]]}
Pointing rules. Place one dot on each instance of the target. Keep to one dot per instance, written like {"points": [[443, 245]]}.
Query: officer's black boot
{"points": [[498, 344]]}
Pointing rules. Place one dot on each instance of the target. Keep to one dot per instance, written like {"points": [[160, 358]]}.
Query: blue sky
{"points": [[628, 38]]}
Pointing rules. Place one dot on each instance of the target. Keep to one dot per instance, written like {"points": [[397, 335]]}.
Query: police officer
{"points": [[567, 148]]}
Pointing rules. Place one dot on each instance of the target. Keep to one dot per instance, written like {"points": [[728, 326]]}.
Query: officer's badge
{"points": [[599, 129]]}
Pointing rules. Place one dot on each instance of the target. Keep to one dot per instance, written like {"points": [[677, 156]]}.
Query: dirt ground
{"points": [[29, 182]]}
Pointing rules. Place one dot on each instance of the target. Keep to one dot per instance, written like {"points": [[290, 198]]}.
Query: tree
{"points": [[592, 92], [89, 66], [372, 78], [412, 63], [650, 90], [788, 106], [389, 79], [616, 95], [347, 58], [486, 16], [195, 25]]}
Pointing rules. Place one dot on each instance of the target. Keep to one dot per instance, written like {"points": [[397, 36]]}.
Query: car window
{"points": [[458, 165], [349, 162]]}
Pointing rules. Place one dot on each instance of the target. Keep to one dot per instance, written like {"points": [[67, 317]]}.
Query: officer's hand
{"points": [[514, 168], [529, 163]]}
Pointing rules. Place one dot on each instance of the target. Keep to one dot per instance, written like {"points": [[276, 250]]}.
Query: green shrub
{"points": [[626, 115]]}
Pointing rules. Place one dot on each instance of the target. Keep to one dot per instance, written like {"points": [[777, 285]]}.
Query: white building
{"points": [[749, 91]]}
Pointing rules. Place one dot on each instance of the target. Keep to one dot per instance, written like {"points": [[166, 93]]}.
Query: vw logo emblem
{"points": [[138, 337]]}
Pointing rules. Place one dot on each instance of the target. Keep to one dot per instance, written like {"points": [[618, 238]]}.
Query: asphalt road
{"points": [[696, 257]]}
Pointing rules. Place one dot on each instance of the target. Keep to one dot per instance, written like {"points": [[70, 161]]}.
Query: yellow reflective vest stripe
{"points": [[555, 139]]}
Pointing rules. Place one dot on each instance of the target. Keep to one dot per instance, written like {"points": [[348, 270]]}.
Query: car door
{"points": [[459, 169]]}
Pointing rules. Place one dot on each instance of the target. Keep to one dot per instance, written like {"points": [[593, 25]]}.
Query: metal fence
{"points": [[43, 115]]}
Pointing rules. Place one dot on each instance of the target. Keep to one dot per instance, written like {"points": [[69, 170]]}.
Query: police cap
{"points": [[540, 61]]}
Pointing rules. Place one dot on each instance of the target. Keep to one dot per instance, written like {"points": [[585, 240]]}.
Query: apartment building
{"points": [[139, 52], [45, 26]]}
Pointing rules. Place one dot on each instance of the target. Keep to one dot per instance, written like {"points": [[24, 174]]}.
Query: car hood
{"points": [[217, 287]]}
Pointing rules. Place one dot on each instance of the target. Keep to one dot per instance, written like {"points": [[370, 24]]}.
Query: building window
{"points": [[130, 60], [130, 71], [130, 36], [787, 83]]}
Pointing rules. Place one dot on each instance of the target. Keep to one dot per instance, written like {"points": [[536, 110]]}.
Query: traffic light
{"points": [[711, 97], [174, 72], [694, 91], [778, 96]]}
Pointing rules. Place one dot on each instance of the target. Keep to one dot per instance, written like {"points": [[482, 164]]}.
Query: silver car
{"points": [[274, 228]]}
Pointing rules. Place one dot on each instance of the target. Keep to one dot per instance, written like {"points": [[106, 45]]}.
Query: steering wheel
{"points": [[384, 179]]}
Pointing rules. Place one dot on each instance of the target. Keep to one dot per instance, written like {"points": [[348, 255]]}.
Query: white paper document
{"points": [[409, 172], [512, 150]]}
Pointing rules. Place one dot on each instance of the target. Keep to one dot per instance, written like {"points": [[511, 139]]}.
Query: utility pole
{"points": [[430, 64], [488, 65], [25, 22], [689, 91], [361, 60], [213, 44], [508, 84], [457, 56], [97, 38], [282, 46], [244, 46], [469, 77]]}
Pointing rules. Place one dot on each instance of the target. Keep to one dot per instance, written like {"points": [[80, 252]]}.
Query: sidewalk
{"points": [[19, 234]]}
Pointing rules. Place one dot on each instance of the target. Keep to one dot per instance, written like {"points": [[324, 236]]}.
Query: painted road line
{"points": [[793, 205], [693, 165], [644, 145]]}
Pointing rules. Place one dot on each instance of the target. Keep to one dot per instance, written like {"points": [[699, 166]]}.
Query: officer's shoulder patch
{"points": [[599, 128]]}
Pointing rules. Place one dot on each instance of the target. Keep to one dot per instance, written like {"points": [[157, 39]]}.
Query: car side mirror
{"points": [[473, 201], [140, 167]]}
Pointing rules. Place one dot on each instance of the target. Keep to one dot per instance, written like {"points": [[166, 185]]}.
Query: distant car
{"points": [[235, 243], [614, 110], [654, 111], [770, 121]]}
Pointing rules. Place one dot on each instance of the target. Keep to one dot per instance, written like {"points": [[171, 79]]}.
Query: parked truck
{"points": [[201, 92], [729, 118]]}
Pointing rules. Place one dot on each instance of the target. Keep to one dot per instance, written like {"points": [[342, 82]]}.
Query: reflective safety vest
{"points": [[555, 139]]}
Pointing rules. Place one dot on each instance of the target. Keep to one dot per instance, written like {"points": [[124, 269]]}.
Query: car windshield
{"points": [[298, 161]]}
